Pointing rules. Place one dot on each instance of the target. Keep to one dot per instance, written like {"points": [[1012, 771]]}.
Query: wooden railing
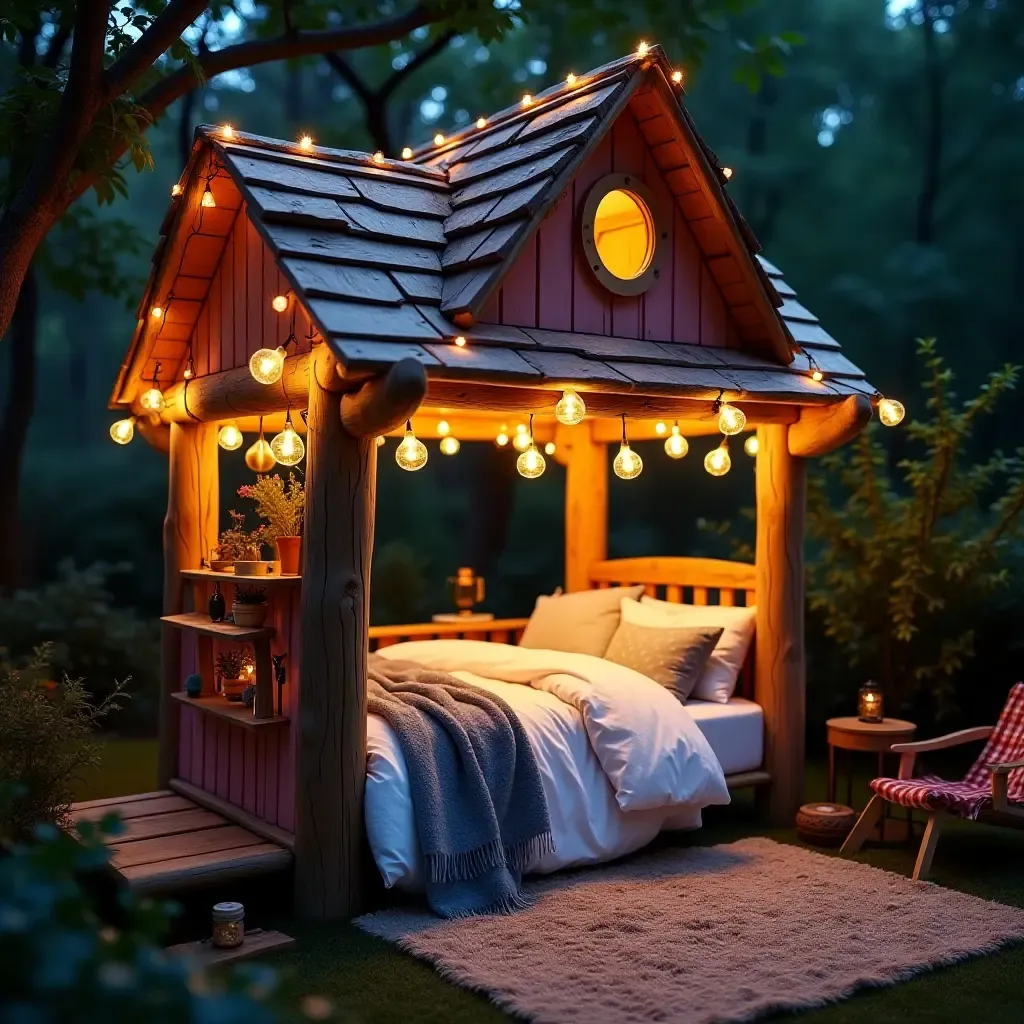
{"points": [[496, 631]]}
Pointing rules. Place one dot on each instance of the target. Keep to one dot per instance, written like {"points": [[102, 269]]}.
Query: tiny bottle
{"points": [[218, 606]]}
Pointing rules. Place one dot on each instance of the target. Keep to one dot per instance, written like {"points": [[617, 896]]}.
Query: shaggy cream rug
{"points": [[721, 933]]}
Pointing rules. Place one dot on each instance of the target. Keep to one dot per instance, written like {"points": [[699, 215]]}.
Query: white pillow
{"points": [[718, 680], [582, 622]]}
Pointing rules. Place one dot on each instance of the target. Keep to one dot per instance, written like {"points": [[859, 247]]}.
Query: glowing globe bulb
{"points": [[570, 409], [411, 453], [731, 420], [817, 375], [279, 303], [521, 441], [380, 441], [208, 201], [306, 143], [438, 139], [287, 446], [570, 79], [502, 439], [449, 445], [660, 428], [676, 446], [717, 461], [123, 430], [153, 400], [176, 189], [627, 465], [260, 457], [267, 365], [481, 122], [229, 437], [751, 445], [531, 464], [891, 412], [549, 448], [443, 428], [407, 153]]}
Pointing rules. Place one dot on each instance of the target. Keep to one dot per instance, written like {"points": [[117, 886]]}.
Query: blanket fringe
{"points": [[458, 867], [508, 905]]}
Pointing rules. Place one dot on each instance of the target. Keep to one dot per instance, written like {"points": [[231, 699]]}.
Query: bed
{"points": [[588, 823]]}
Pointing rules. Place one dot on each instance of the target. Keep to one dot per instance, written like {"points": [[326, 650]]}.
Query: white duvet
{"points": [[620, 758]]}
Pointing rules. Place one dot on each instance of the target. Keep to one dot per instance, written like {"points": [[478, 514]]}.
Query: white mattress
{"points": [[734, 730]]}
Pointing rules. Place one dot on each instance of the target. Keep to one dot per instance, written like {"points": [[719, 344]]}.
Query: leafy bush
{"points": [[87, 638], [909, 566], [58, 961], [46, 743]]}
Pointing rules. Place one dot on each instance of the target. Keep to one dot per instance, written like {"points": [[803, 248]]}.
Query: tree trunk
{"points": [[17, 415], [188, 102], [934, 130]]}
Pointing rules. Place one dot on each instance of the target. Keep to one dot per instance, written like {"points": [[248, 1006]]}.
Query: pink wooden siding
{"points": [[252, 769], [551, 286]]}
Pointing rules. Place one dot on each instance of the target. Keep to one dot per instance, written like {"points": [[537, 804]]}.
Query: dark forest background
{"points": [[877, 150]]}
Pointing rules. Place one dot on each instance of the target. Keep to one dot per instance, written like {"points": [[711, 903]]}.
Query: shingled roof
{"points": [[395, 258]]}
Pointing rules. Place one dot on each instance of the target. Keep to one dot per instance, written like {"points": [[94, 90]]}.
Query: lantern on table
{"points": [[467, 589], [869, 702]]}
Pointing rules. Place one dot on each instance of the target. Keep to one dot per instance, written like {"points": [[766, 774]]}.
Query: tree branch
{"points": [[428, 53], [347, 74]]}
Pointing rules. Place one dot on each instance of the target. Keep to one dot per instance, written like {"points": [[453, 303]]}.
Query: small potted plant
{"points": [[249, 607], [281, 505], [244, 547], [235, 669]]}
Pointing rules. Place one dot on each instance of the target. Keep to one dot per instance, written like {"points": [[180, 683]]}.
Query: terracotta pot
{"points": [[232, 688], [247, 568], [288, 551], [250, 615], [222, 565]]}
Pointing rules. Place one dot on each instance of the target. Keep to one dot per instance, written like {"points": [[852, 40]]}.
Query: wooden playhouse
{"points": [[580, 241]]}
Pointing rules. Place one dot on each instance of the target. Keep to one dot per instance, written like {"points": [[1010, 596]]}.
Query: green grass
{"points": [[375, 984]]}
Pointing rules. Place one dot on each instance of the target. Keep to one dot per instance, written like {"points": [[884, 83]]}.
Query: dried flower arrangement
{"points": [[239, 544], [230, 663], [281, 505]]}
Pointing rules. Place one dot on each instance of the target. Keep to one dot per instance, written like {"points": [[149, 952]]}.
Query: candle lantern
{"points": [[228, 925], [869, 702], [467, 589]]}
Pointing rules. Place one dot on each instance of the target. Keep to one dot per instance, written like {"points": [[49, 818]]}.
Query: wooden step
{"points": [[170, 843]]}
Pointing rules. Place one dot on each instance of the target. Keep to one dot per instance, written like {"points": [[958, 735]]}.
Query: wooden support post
{"points": [[190, 531], [586, 501], [779, 681], [822, 430], [341, 473]]}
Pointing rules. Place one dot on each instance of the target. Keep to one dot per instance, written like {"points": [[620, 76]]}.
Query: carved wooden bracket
{"points": [[385, 402], [822, 430]]}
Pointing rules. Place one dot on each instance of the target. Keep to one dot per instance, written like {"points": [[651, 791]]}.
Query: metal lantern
{"points": [[869, 702], [467, 589]]}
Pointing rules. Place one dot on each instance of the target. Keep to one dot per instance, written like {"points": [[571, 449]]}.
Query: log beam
{"points": [[334, 619], [190, 531], [586, 501], [385, 402], [156, 434], [779, 679], [820, 431]]}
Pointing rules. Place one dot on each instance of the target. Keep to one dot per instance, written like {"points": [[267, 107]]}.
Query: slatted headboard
{"points": [[698, 581]]}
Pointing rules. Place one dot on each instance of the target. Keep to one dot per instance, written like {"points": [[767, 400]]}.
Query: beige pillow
{"points": [[583, 622], [673, 656]]}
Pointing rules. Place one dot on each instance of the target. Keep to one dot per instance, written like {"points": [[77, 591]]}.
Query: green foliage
{"points": [[239, 543], [46, 743], [250, 594], [906, 565], [60, 962], [230, 662], [280, 505], [87, 638]]}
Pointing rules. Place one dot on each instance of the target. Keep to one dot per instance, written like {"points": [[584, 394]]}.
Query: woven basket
{"points": [[824, 824]]}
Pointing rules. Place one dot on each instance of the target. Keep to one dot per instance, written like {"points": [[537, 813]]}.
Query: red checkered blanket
{"points": [[969, 797]]}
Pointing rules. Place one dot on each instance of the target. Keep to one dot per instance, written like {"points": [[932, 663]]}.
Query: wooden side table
{"points": [[852, 735]]}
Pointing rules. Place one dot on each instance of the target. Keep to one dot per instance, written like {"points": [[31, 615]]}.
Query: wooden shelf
{"points": [[276, 579], [223, 708], [200, 623]]}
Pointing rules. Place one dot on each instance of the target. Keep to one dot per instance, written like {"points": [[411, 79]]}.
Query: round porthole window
{"points": [[620, 234]]}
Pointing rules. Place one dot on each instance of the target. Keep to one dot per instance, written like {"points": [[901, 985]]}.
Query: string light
{"points": [[152, 400], [718, 462], [570, 79], [227, 131], [449, 445], [411, 453], [443, 427], [530, 463], [891, 412], [481, 122], [731, 419], [267, 364], [502, 439], [123, 430], [306, 143], [279, 303], [527, 100], [727, 173], [627, 465], [288, 447], [407, 153], [208, 201], [676, 446], [380, 440], [176, 189], [438, 139], [521, 440], [378, 157], [660, 428], [570, 409], [460, 342], [156, 312], [677, 77], [751, 445], [549, 448], [816, 374], [229, 437], [260, 457], [190, 366]]}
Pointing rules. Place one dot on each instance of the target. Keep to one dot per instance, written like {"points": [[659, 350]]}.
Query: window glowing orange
{"points": [[624, 234]]}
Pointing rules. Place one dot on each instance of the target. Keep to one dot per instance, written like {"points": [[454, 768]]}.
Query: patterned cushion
{"points": [[673, 656], [969, 798]]}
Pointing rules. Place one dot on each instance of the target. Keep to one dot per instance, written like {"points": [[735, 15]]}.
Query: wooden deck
{"points": [[170, 843]]}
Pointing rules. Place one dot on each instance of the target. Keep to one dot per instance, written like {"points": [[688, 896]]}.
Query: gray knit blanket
{"points": [[477, 797]]}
